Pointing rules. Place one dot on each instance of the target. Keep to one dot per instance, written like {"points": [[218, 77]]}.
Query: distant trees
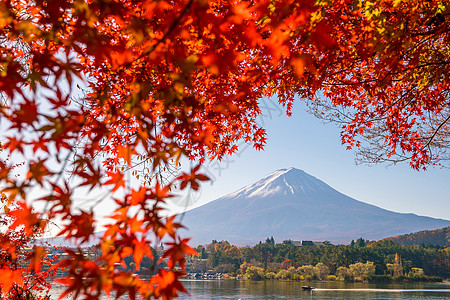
{"points": [[264, 252], [328, 262], [322, 271], [307, 271], [438, 237], [270, 241], [222, 256], [318, 272], [395, 268], [254, 273], [357, 271], [199, 266], [359, 242], [416, 272]]}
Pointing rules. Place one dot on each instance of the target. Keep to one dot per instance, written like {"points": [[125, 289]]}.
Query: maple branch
{"points": [[345, 69], [61, 171], [436, 31], [436, 131]]}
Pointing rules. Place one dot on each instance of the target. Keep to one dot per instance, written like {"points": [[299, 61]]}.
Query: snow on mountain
{"points": [[291, 204], [285, 181]]}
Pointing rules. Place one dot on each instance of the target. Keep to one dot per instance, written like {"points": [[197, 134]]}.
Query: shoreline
{"points": [[386, 280]]}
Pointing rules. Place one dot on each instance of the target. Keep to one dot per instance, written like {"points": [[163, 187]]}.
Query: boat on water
{"points": [[307, 287]]}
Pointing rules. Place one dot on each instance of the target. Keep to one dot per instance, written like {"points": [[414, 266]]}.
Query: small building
{"points": [[309, 243]]}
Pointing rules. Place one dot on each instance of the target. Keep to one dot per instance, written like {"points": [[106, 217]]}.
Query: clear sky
{"points": [[304, 142]]}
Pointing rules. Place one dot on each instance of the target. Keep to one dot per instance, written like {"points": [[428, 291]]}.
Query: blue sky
{"points": [[304, 142]]}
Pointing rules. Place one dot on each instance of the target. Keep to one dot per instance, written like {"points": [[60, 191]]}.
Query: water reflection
{"points": [[241, 289], [232, 289]]}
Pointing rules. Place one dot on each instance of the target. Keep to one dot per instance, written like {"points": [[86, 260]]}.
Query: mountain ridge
{"points": [[438, 237], [291, 204]]}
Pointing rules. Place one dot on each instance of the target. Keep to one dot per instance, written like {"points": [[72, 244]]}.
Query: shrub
{"points": [[331, 278], [416, 271], [254, 273], [321, 271], [270, 275], [281, 274], [297, 277]]}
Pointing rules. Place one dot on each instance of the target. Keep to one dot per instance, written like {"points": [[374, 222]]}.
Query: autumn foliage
{"points": [[391, 90], [26, 268], [91, 89]]}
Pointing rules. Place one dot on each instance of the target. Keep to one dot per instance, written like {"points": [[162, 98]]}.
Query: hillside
{"points": [[439, 237], [291, 204]]}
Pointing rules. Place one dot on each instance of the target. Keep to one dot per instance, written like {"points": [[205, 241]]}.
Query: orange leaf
{"points": [[10, 277], [141, 248], [299, 66]]}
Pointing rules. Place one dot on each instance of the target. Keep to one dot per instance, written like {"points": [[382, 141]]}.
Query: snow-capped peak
{"points": [[283, 181]]}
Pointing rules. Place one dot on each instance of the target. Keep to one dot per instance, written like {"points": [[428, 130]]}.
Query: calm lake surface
{"points": [[243, 289]]}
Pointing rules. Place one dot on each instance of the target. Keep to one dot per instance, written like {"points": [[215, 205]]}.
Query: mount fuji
{"points": [[291, 204]]}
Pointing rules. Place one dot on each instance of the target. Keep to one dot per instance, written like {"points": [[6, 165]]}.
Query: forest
{"points": [[435, 237], [360, 261]]}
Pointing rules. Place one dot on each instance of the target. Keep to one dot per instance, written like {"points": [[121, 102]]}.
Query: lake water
{"points": [[243, 289]]}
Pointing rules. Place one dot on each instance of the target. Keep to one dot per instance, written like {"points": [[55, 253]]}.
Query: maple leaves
{"points": [[24, 216], [10, 277], [167, 80], [192, 179], [127, 236], [24, 268], [388, 88]]}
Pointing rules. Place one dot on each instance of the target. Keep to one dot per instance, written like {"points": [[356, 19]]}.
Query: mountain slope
{"points": [[290, 204], [440, 237]]}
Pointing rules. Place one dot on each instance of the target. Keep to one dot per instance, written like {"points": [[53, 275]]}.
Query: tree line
{"points": [[439, 236], [361, 260]]}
